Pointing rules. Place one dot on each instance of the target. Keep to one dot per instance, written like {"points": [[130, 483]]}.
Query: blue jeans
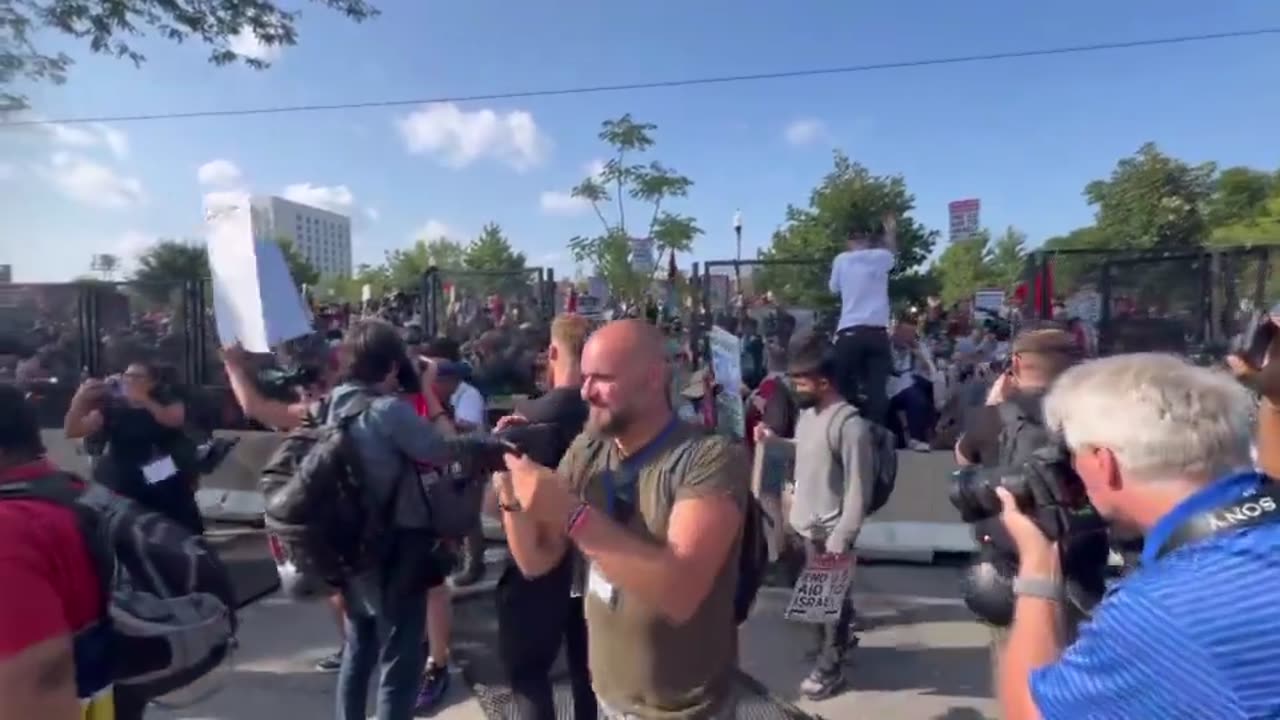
{"points": [[392, 640]]}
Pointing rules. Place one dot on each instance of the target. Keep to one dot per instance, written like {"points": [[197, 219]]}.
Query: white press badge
{"points": [[599, 585], [159, 470]]}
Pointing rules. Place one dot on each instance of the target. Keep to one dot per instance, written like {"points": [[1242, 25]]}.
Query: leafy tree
{"points": [[964, 267], [1008, 259], [652, 184], [299, 269], [1240, 194], [498, 268], [1153, 200], [106, 264], [492, 252], [172, 262], [403, 269], [848, 198], [104, 27]]}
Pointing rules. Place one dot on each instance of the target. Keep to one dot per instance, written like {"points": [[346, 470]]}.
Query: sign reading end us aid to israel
{"points": [[821, 590], [965, 218]]}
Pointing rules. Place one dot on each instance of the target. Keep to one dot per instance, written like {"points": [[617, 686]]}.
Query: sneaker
{"points": [[330, 663], [920, 446], [435, 683], [821, 685]]}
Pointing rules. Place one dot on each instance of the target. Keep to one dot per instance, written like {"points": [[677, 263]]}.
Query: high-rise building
{"points": [[322, 237]]}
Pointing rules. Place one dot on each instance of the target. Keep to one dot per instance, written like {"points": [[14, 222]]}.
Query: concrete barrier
{"points": [[917, 522], [228, 495]]}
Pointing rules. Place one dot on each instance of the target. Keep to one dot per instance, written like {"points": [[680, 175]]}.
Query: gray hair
{"points": [[1162, 417]]}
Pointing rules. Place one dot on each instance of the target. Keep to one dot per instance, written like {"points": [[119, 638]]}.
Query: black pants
{"points": [[534, 616], [862, 367], [128, 705]]}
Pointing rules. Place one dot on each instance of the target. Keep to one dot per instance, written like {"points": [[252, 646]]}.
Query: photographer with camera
{"points": [[1009, 427], [1162, 446]]}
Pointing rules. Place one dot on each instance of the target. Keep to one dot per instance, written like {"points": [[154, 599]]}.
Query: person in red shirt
{"points": [[54, 663]]}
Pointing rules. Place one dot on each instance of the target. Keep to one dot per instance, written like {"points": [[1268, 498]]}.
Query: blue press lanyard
{"points": [[631, 466]]}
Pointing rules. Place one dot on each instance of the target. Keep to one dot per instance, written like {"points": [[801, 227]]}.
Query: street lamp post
{"points": [[737, 263]]}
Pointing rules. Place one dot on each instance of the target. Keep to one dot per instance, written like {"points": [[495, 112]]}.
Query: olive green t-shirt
{"points": [[640, 662]]}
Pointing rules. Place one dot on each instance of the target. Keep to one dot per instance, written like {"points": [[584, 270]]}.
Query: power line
{"points": [[659, 84]]}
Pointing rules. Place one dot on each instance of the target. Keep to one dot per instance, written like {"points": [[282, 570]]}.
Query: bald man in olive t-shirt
{"points": [[640, 662]]}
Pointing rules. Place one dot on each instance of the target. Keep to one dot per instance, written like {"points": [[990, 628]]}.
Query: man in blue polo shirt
{"points": [[1192, 632]]}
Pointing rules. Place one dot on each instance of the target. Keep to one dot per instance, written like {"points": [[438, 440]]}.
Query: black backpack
{"points": [[169, 606], [317, 505], [1021, 434]]}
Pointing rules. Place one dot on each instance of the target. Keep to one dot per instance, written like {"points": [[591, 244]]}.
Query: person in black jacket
{"points": [[535, 614]]}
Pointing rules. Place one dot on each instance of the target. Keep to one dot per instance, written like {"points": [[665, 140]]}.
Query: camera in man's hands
{"points": [[1047, 489], [537, 441]]}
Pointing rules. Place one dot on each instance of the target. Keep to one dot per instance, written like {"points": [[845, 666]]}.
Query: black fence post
{"points": [[549, 294], [86, 311], [430, 323]]}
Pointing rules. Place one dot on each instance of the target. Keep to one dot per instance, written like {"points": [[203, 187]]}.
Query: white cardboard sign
{"points": [[821, 590]]}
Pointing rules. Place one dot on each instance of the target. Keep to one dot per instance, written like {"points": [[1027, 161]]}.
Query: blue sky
{"points": [[1023, 135]]}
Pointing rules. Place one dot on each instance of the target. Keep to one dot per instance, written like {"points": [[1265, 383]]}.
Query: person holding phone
{"points": [[148, 456]]}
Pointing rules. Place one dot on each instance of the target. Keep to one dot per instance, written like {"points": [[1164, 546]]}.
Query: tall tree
{"points": [[492, 252], [104, 27], [1008, 258], [652, 185], [848, 197], [1240, 194], [106, 264], [964, 267], [1153, 200], [404, 268], [168, 264]]}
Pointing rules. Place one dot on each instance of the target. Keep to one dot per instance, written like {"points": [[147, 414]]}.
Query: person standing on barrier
{"points": [[833, 484], [1162, 446], [860, 276], [656, 507], [536, 612]]}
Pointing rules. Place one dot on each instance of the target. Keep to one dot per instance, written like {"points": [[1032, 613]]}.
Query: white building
{"points": [[320, 236]]}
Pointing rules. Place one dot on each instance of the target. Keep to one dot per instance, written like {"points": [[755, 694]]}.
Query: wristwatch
{"points": [[1038, 587]]}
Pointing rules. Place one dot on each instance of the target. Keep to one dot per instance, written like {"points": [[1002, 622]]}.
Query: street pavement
{"points": [[921, 658]]}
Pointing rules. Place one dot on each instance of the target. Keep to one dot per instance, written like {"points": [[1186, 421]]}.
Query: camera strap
{"points": [[1257, 508]]}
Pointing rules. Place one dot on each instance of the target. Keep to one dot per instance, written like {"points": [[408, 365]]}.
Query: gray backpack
{"points": [[884, 456], [169, 606]]}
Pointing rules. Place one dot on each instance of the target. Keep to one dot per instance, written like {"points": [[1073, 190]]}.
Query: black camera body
{"points": [[1047, 489], [537, 441]]}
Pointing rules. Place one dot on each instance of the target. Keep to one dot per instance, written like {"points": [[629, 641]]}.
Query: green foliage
{"points": [[403, 269], [1153, 200], [848, 198], [169, 264], [1008, 259], [964, 267], [492, 252], [105, 26], [652, 184]]}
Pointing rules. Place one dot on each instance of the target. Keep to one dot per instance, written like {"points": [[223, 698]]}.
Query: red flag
{"points": [[571, 302]]}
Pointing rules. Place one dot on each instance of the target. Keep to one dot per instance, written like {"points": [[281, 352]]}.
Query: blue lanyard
{"points": [[629, 467]]}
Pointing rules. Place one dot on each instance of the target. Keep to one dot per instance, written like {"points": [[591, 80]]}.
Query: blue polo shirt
{"points": [[1194, 634]]}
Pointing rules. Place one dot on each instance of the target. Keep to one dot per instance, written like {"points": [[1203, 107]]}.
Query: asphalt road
{"points": [[922, 657]]}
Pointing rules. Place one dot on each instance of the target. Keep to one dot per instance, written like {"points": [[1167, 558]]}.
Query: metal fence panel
{"points": [[41, 326], [143, 322], [458, 302]]}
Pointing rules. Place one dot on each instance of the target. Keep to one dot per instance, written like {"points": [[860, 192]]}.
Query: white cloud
{"points": [[555, 202], [373, 214], [805, 131], [218, 173], [334, 198], [459, 138], [247, 44], [89, 136], [434, 230], [92, 184]]}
